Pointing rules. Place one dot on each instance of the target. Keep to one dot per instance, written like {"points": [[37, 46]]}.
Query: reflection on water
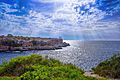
{"points": [[84, 54]]}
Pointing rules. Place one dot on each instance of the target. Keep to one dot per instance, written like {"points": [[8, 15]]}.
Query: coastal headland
{"points": [[20, 43]]}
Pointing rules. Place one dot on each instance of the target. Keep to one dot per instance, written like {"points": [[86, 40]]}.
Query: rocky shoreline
{"points": [[20, 43]]}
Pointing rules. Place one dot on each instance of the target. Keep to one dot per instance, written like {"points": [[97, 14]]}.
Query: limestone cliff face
{"points": [[55, 41], [13, 43]]}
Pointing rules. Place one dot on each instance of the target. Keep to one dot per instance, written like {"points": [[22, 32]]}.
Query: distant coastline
{"points": [[20, 43]]}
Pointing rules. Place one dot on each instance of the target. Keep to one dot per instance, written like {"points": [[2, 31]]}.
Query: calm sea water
{"points": [[84, 54]]}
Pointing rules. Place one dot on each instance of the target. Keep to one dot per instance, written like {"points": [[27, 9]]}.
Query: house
{"points": [[27, 44], [4, 48]]}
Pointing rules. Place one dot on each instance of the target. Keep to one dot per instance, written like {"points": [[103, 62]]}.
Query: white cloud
{"points": [[64, 21]]}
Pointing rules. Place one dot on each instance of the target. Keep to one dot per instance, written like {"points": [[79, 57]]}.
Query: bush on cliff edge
{"points": [[109, 68], [34, 67]]}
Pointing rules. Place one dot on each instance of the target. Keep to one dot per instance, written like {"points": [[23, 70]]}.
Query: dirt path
{"points": [[91, 74]]}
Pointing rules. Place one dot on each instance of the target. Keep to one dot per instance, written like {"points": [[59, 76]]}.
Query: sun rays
{"points": [[80, 18]]}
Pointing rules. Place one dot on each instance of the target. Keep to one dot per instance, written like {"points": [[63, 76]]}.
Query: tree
{"points": [[9, 35]]}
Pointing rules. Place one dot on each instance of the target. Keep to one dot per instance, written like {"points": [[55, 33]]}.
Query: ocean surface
{"points": [[84, 54]]}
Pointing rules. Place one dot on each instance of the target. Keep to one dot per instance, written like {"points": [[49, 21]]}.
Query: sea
{"points": [[83, 54]]}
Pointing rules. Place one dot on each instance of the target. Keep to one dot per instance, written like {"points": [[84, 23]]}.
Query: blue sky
{"points": [[70, 19]]}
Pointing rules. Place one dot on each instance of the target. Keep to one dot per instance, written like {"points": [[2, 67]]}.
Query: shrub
{"points": [[34, 67], [54, 73], [18, 66], [7, 78], [109, 68]]}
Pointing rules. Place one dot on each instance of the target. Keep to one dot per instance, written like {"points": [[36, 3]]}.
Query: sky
{"points": [[69, 19]]}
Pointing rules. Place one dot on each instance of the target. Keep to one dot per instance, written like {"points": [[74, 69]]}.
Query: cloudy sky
{"points": [[69, 19]]}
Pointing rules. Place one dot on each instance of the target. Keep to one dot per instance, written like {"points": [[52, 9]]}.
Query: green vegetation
{"points": [[7, 78], [109, 68], [11, 43], [35, 67]]}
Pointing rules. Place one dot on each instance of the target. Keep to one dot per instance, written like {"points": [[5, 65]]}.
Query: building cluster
{"points": [[14, 43]]}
